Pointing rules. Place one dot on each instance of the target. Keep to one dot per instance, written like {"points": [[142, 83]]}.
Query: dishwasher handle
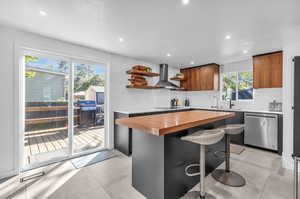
{"points": [[261, 115]]}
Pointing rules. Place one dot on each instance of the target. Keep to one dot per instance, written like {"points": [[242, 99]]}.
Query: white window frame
{"points": [[237, 99]]}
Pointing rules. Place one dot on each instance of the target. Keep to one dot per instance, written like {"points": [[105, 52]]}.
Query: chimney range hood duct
{"points": [[163, 78]]}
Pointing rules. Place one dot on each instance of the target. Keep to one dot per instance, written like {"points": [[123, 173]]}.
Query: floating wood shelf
{"points": [[143, 87], [144, 73], [178, 79]]}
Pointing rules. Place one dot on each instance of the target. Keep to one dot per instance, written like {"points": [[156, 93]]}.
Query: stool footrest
{"points": [[190, 166]]}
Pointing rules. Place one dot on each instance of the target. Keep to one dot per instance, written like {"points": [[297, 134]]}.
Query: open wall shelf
{"points": [[178, 79], [144, 73], [143, 87]]}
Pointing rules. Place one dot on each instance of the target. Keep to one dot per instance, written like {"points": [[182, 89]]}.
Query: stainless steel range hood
{"points": [[163, 78]]}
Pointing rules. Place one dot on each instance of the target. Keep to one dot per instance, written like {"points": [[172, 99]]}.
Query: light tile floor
{"points": [[111, 179]]}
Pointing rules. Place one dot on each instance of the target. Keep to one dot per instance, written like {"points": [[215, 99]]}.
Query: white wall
{"points": [[6, 103], [120, 97]]}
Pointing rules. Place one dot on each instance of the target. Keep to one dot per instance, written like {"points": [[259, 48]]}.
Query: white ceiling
{"points": [[152, 28]]}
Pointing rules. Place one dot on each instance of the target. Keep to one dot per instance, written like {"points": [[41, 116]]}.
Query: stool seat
{"points": [[205, 137], [233, 129]]}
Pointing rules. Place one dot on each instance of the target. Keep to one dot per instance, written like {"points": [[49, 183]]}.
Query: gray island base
{"points": [[158, 162]]}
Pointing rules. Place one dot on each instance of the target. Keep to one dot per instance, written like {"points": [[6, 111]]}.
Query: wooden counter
{"points": [[162, 124]]}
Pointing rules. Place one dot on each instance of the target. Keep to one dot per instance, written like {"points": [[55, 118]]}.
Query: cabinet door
{"points": [[196, 79], [214, 77], [189, 80], [267, 71], [188, 83], [276, 70], [192, 79], [209, 77], [203, 79], [262, 71], [198, 76], [210, 83]]}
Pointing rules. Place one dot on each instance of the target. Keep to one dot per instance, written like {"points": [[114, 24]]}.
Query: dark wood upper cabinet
{"points": [[201, 78], [267, 70], [277, 68]]}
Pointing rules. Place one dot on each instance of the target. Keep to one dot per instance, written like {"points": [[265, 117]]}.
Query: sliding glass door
{"points": [[64, 108], [89, 104]]}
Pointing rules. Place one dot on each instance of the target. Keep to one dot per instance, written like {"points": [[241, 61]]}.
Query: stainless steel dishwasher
{"points": [[261, 130]]}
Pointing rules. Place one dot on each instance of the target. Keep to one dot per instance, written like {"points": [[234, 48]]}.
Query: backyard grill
{"points": [[87, 112]]}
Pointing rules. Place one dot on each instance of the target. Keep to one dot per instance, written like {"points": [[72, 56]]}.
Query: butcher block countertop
{"points": [[166, 123]]}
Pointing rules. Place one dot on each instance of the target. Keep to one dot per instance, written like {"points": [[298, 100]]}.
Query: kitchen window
{"points": [[237, 86]]}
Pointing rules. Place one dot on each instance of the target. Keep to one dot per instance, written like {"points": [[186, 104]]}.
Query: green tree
{"points": [[85, 77], [30, 74], [245, 80], [30, 58]]}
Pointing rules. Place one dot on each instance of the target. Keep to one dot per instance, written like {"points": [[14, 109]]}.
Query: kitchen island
{"points": [[159, 156]]}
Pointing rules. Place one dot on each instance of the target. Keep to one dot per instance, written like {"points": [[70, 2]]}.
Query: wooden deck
{"points": [[45, 142]]}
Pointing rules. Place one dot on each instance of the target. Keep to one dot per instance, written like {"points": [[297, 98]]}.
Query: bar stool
{"points": [[202, 137], [226, 176]]}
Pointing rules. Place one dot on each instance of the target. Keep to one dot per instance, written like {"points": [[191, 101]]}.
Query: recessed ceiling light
{"points": [[185, 2], [245, 51], [228, 37], [43, 13], [192, 62], [168, 55], [121, 39]]}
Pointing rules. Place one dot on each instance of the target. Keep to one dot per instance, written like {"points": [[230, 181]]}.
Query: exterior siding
{"points": [[44, 87]]}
